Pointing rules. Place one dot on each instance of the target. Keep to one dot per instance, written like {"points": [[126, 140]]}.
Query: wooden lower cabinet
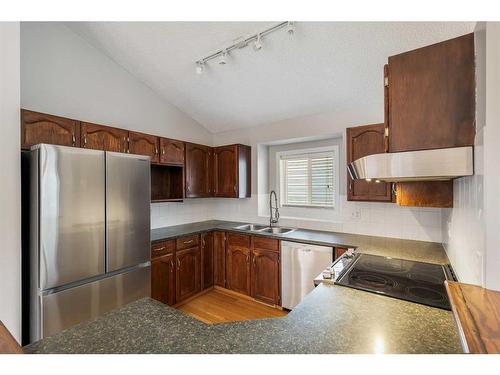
{"points": [[266, 276], [188, 272], [220, 259], [163, 279], [339, 251], [207, 260], [238, 269]]}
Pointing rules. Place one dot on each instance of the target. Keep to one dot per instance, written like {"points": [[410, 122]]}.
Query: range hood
{"points": [[428, 165]]}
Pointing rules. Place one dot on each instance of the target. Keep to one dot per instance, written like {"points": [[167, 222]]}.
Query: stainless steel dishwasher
{"points": [[300, 264]]}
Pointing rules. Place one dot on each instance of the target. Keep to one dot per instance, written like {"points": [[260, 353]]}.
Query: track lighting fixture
{"points": [[223, 58], [257, 45], [199, 67], [239, 43]]}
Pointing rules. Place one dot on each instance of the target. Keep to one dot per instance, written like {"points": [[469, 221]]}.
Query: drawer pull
{"points": [[159, 249], [186, 242]]}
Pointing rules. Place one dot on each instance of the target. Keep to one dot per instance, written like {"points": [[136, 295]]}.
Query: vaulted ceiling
{"points": [[325, 66]]}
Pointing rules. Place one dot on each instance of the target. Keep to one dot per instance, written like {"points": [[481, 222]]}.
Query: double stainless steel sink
{"points": [[264, 229]]}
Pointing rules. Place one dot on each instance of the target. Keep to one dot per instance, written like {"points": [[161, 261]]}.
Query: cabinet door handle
{"points": [[178, 264], [156, 150], [84, 140], [162, 151], [159, 249], [254, 260], [171, 265], [350, 185], [73, 138], [234, 187], [248, 258]]}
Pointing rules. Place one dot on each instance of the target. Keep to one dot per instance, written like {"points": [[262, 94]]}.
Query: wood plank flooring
{"points": [[217, 306]]}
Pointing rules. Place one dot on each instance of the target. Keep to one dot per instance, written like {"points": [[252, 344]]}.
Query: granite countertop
{"points": [[330, 319], [431, 252]]}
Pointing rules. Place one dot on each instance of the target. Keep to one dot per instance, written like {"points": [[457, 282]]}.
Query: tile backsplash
{"points": [[376, 219]]}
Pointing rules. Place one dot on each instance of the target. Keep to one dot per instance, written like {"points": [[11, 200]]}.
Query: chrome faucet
{"points": [[274, 214]]}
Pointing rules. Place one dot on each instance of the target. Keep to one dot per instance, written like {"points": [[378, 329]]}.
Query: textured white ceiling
{"points": [[325, 66]]}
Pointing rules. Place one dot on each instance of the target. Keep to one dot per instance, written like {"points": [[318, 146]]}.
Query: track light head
{"points": [[199, 67], [257, 45], [290, 28], [223, 58]]}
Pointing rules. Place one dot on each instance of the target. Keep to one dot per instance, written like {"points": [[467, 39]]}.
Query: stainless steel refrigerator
{"points": [[89, 235]]}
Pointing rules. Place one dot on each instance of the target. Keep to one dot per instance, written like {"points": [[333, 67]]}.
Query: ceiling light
{"points": [[257, 45], [223, 58], [290, 27], [199, 67]]}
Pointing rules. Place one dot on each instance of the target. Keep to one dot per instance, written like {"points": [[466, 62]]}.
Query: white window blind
{"points": [[308, 179]]}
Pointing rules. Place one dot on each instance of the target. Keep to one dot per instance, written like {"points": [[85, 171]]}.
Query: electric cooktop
{"points": [[404, 279]]}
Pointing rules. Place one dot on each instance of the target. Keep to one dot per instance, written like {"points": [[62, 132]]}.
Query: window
{"points": [[308, 178]]}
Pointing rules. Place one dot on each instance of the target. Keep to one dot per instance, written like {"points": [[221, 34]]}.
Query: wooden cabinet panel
{"points": [[220, 259], [171, 151], [425, 194], [144, 144], [226, 171], [432, 96], [239, 240], [339, 251], [197, 170], [188, 241], [99, 137], [363, 141], [187, 277], [167, 183], [244, 171], [207, 260], [162, 248], [238, 269], [266, 276], [265, 243], [42, 128], [163, 279]]}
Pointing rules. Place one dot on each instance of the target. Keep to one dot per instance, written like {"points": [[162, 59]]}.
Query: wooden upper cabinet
{"points": [[232, 171], [226, 171], [171, 151], [197, 170], [207, 260], [144, 144], [106, 138], [42, 128], [220, 259], [363, 141], [431, 96]]}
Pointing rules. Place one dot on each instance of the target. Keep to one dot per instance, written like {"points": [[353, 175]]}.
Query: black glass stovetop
{"points": [[404, 279]]}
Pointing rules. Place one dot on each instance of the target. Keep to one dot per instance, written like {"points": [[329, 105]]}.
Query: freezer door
{"points": [[70, 215], [66, 308], [127, 210]]}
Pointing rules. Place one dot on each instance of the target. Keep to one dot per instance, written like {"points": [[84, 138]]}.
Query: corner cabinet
{"points": [[220, 259], [362, 141], [232, 171]]}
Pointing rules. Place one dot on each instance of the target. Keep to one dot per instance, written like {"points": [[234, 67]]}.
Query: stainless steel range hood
{"points": [[427, 165]]}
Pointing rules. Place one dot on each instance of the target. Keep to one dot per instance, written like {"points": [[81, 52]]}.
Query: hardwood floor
{"points": [[218, 306]]}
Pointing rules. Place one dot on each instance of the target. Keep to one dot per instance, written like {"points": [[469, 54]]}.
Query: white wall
{"points": [[471, 235], [62, 74], [10, 193], [380, 219]]}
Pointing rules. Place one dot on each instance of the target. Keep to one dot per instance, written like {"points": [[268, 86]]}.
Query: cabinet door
{"points": [[339, 251], [197, 171], [42, 128], [238, 269], [163, 279], [226, 171], [363, 141], [432, 96], [187, 277], [220, 259], [144, 144], [266, 276], [99, 137], [207, 260], [172, 151]]}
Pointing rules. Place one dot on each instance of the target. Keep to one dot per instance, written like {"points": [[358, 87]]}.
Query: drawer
{"points": [[188, 241], [162, 248], [239, 240], [266, 243]]}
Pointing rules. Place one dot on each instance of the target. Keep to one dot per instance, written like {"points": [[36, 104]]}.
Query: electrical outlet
{"points": [[356, 214]]}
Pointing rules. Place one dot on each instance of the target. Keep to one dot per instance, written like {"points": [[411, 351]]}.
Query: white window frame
{"points": [[317, 150]]}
